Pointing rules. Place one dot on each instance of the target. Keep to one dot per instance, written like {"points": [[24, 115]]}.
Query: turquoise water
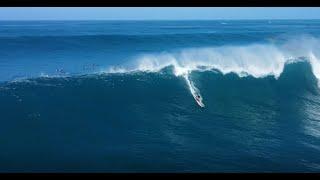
{"points": [[113, 96]]}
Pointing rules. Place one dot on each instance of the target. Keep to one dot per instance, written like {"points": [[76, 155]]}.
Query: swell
{"points": [[164, 87], [144, 41]]}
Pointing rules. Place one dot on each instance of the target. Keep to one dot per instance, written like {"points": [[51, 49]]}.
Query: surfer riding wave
{"points": [[194, 91]]}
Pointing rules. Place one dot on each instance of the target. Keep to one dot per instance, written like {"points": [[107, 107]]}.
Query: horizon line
{"points": [[155, 19]]}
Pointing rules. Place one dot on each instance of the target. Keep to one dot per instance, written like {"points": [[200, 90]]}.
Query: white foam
{"points": [[315, 65], [257, 60]]}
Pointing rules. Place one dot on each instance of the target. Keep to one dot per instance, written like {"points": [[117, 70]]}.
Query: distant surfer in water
{"points": [[61, 71]]}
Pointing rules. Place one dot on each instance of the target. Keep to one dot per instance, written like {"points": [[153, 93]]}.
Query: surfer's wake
{"points": [[194, 91]]}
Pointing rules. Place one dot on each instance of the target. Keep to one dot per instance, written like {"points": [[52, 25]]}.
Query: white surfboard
{"points": [[199, 101]]}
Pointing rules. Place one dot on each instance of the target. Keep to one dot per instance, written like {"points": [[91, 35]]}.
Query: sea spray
{"points": [[257, 60]]}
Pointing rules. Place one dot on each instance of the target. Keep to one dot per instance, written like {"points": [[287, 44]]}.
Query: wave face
{"points": [[124, 122], [126, 96]]}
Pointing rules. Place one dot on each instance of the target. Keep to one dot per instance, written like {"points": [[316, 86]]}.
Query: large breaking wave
{"points": [[256, 60], [111, 112]]}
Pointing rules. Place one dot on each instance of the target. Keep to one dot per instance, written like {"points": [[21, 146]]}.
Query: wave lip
{"points": [[257, 60]]}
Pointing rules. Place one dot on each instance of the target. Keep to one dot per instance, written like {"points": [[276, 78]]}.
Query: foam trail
{"points": [[194, 91]]}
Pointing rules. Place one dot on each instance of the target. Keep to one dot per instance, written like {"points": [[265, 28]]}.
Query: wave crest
{"points": [[257, 60]]}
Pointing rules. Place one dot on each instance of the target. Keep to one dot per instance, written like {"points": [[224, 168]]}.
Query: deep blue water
{"points": [[113, 96]]}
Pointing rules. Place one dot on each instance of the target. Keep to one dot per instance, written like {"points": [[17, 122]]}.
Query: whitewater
{"points": [[256, 60]]}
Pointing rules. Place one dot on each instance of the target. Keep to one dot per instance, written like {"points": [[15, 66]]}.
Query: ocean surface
{"points": [[125, 96]]}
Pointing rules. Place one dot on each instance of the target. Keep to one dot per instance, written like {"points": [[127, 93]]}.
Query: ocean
{"points": [[160, 96]]}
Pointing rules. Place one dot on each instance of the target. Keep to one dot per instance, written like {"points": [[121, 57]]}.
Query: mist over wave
{"points": [[257, 60]]}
